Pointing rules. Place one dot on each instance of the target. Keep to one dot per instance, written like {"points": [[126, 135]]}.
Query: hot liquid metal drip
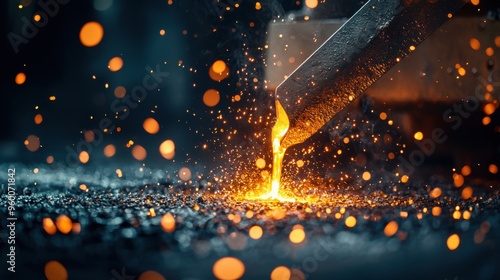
{"points": [[279, 130], [370, 43]]}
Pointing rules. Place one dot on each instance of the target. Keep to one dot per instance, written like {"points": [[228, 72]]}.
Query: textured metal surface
{"points": [[377, 37], [291, 43]]}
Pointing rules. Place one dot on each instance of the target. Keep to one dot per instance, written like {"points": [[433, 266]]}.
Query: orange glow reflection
{"points": [[167, 149], [211, 97], [84, 157], [64, 224], [219, 66], [493, 169], [120, 92], [139, 153], [218, 76], [467, 193], [281, 273], [168, 223], [311, 4], [49, 226], [475, 44], [109, 150], [297, 235], [391, 228], [185, 174], [453, 242], [350, 221], [228, 268], [54, 270], [38, 119], [255, 232], [32, 143], [20, 78]]}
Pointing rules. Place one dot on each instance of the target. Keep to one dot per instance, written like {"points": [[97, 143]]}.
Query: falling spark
{"points": [[418, 136], [211, 97], [366, 175], [255, 232], [84, 157], [435, 193], [475, 44], [139, 153], [91, 34], [49, 226], [466, 170], [38, 119], [453, 242], [115, 64], [297, 235], [167, 149], [185, 174], [83, 187], [458, 180], [467, 193], [260, 163], [493, 169], [64, 224], [54, 270], [281, 273], [404, 179], [32, 143], [151, 126], [311, 4], [120, 92], [219, 66], [391, 228], [350, 221], [489, 51], [20, 78], [436, 211], [109, 150], [168, 223]]}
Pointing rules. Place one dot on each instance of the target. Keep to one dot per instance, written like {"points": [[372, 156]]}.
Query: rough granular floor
{"points": [[120, 229]]}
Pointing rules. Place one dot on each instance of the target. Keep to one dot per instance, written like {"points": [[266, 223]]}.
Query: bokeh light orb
{"points": [[54, 270], [228, 268], [91, 34]]}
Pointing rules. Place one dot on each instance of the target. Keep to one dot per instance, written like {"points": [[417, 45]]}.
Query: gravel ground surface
{"points": [[90, 226]]}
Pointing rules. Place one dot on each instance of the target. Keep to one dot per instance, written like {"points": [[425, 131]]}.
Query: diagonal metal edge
{"points": [[370, 43]]}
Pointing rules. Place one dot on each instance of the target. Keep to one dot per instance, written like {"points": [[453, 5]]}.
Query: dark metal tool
{"points": [[372, 41]]}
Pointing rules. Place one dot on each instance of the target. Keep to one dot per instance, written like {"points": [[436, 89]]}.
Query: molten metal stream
{"points": [[278, 132]]}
